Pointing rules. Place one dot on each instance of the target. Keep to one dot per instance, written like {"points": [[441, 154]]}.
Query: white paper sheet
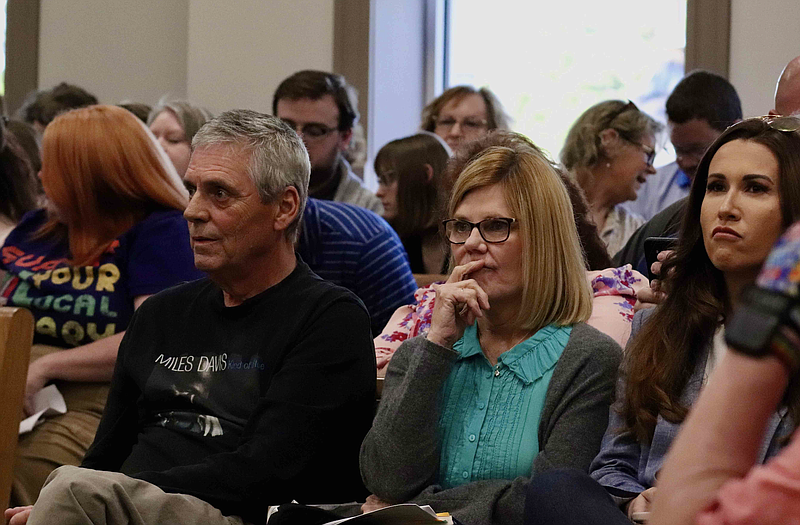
{"points": [[47, 402]]}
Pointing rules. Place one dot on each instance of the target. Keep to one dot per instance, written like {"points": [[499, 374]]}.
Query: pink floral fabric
{"points": [[769, 494], [615, 291]]}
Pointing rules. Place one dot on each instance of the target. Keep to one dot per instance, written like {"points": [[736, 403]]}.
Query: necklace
{"points": [[526, 335]]}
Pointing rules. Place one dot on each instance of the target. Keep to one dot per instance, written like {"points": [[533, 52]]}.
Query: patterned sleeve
{"points": [[407, 321], [615, 291]]}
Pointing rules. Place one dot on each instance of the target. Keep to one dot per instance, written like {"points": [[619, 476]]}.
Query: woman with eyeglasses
{"points": [[746, 191], [174, 123], [610, 151], [462, 114], [409, 186], [509, 381]]}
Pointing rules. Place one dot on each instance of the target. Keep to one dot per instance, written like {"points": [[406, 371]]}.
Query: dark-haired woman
{"points": [[409, 184], [19, 190], [745, 193]]}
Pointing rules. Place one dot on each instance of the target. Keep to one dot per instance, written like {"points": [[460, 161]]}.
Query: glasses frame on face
{"points": [[648, 151], [310, 131], [448, 230], [470, 124]]}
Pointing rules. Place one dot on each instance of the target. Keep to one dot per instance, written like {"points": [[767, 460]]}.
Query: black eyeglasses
{"points": [[648, 151], [496, 229], [312, 130]]}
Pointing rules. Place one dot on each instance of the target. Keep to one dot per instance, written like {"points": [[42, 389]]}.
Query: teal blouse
{"points": [[490, 415]]}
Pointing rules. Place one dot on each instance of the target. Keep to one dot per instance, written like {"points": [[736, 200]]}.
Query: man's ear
{"points": [[288, 208], [344, 139], [428, 173]]}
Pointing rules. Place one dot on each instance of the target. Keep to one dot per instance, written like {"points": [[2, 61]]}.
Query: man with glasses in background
{"points": [[700, 107], [321, 107]]}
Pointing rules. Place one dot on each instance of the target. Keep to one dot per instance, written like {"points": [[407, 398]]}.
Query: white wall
{"points": [[220, 54], [239, 51], [397, 69], [117, 49], [765, 35]]}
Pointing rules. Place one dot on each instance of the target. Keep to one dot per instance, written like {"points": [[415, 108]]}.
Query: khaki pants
{"points": [[74, 495], [61, 440]]}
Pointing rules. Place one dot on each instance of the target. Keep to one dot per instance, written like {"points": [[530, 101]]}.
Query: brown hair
{"points": [[594, 249], [44, 106], [595, 252], [495, 115], [315, 85], [406, 160], [19, 187], [102, 170], [554, 288], [662, 357]]}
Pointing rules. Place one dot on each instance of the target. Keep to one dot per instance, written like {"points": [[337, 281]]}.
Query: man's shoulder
{"points": [[311, 288], [666, 222], [352, 190], [345, 222]]}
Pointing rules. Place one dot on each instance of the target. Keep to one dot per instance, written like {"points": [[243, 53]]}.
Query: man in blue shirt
{"points": [[355, 248], [700, 107]]}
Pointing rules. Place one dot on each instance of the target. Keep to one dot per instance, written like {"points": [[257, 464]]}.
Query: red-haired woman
{"points": [[111, 235]]}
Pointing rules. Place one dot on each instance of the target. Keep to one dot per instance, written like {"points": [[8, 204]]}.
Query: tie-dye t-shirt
{"points": [[74, 306]]}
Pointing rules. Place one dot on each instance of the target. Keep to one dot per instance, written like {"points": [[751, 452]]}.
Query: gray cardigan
{"points": [[400, 455]]}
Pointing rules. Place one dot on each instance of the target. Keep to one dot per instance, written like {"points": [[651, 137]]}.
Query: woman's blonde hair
{"points": [[554, 288], [582, 148], [103, 172]]}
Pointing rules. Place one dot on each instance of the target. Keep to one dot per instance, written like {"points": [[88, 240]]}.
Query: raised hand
{"points": [[459, 302]]}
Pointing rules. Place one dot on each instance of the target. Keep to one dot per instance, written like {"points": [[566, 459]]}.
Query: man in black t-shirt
{"points": [[250, 388]]}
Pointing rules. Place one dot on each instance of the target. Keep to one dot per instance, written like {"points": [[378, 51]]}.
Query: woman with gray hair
{"points": [[174, 123], [610, 151]]}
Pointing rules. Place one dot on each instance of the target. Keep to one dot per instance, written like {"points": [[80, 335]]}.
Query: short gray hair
{"points": [[278, 158], [190, 117]]}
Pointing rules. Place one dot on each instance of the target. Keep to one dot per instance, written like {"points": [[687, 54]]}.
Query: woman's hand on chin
{"points": [[459, 302]]}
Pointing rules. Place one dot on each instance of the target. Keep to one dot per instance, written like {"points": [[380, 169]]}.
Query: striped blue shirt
{"points": [[490, 415], [355, 248]]}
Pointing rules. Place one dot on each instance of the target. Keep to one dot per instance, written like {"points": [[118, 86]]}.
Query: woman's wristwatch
{"points": [[767, 323]]}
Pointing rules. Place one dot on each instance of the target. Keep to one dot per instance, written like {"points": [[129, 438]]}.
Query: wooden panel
{"points": [[22, 51], [708, 34], [16, 336], [351, 49]]}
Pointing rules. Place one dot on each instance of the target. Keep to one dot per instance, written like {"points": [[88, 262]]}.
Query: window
{"points": [[548, 61]]}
